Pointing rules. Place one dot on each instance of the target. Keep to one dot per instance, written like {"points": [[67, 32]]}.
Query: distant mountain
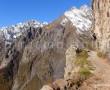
{"points": [[14, 31], [80, 18]]}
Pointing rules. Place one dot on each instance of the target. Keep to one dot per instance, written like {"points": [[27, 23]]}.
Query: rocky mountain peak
{"points": [[80, 18], [14, 31]]}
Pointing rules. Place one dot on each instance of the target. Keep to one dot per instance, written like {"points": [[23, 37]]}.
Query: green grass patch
{"points": [[85, 72], [85, 65]]}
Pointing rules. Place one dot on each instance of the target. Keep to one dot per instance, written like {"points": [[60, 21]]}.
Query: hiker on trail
{"points": [[94, 36]]}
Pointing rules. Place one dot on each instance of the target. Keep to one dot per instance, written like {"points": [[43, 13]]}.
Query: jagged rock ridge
{"points": [[15, 31]]}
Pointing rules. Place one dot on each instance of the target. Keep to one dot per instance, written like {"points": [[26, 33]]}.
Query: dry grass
{"points": [[85, 65]]}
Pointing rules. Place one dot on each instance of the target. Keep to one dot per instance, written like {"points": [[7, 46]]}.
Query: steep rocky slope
{"points": [[34, 54]]}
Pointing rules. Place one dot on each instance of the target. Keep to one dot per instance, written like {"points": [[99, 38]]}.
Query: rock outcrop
{"points": [[43, 58], [101, 10]]}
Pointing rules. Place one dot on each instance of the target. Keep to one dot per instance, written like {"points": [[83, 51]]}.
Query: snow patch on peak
{"points": [[14, 31], [85, 8], [80, 18]]}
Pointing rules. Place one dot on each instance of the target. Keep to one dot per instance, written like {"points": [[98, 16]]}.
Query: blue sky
{"points": [[15, 11]]}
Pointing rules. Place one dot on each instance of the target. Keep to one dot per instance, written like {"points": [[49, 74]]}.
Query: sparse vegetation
{"points": [[85, 72], [81, 58], [85, 65], [85, 68]]}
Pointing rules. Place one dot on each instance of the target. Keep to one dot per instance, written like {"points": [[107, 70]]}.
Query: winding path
{"points": [[101, 78]]}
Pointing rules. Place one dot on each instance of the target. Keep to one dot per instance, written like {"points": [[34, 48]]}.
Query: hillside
{"points": [[70, 53]]}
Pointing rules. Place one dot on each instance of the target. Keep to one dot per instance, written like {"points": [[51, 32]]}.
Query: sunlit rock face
{"points": [[102, 23], [43, 58]]}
